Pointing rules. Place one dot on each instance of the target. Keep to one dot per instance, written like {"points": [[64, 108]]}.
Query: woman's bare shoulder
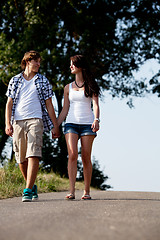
{"points": [[66, 88]]}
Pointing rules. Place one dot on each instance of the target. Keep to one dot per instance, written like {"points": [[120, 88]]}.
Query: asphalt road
{"points": [[109, 215]]}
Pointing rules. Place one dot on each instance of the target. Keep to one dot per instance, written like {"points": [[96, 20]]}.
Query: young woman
{"points": [[81, 122]]}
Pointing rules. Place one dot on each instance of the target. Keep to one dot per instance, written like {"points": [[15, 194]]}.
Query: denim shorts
{"points": [[79, 129]]}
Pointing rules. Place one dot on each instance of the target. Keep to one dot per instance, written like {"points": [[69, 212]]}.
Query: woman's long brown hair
{"points": [[91, 86]]}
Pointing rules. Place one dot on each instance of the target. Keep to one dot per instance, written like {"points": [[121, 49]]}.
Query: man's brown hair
{"points": [[28, 56]]}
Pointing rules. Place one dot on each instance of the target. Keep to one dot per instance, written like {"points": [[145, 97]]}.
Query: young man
{"points": [[29, 111]]}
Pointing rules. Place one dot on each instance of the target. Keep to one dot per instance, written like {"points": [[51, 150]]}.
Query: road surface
{"points": [[110, 215]]}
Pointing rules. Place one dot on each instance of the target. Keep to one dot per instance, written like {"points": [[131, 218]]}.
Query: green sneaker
{"points": [[27, 195], [34, 193]]}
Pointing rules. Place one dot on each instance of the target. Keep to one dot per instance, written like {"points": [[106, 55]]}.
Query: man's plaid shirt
{"points": [[44, 91]]}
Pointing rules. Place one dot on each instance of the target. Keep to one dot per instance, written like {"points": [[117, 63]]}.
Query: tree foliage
{"points": [[117, 36], [54, 155], [98, 178]]}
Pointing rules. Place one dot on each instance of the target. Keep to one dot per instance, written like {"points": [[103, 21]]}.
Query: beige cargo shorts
{"points": [[27, 138]]}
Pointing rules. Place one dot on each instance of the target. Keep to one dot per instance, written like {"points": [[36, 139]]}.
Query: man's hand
{"points": [[9, 130], [55, 133]]}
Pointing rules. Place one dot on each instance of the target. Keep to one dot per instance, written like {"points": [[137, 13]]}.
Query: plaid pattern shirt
{"points": [[44, 90]]}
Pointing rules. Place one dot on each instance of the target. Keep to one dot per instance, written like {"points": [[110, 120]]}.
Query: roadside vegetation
{"points": [[12, 182]]}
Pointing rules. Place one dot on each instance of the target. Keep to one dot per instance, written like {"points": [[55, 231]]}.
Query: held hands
{"points": [[9, 130], [55, 132], [95, 126]]}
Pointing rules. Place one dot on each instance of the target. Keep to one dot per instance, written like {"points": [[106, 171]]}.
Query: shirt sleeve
{"points": [[48, 92], [10, 89]]}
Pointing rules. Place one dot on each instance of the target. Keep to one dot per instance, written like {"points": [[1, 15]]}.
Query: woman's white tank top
{"points": [[80, 111]]}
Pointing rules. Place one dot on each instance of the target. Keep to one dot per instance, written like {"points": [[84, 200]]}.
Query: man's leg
{"points": [[34, 130], [23, 167], [19, 147], [29, 171], [30, 192], [34, 149], [32, 170]]}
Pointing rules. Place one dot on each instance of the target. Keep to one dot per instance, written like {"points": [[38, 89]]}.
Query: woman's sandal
{"points": [[70, 196], [86, 197]]}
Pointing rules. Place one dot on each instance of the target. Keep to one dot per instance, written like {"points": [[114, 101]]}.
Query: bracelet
{"points": [[97, 119]]}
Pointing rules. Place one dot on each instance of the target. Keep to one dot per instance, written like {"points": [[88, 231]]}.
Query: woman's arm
{"points": [[66, 104], [96, 111]]}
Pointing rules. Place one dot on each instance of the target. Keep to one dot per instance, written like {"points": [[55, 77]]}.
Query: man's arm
{"points": [[8, 114], [52, 115]]}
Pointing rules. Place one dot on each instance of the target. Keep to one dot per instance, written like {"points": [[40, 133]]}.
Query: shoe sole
{"points": [[69, 199], [85, 199], [26, 200], [34, 199]]}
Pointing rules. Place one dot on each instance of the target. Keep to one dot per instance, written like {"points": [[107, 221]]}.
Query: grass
{"points": [[12, 182]]}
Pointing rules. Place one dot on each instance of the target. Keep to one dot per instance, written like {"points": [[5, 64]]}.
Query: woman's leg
{"points": [[72, 141], [86, 149]]}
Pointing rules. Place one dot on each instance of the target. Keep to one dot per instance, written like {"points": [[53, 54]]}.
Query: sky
{"points": [[128, 143]]}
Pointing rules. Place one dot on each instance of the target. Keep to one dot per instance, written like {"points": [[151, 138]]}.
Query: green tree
{"points": [[3, 136], [98, 178], [117, 36], [54, 155]]}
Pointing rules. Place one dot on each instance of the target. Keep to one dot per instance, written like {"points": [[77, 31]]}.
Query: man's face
{"points": [[34, 65]]}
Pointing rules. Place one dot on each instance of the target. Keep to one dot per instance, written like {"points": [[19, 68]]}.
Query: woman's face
{"points": [[74, 69]]}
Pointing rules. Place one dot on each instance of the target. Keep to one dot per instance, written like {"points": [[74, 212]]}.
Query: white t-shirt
{"points": [[28, 105], [80, 111]]}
